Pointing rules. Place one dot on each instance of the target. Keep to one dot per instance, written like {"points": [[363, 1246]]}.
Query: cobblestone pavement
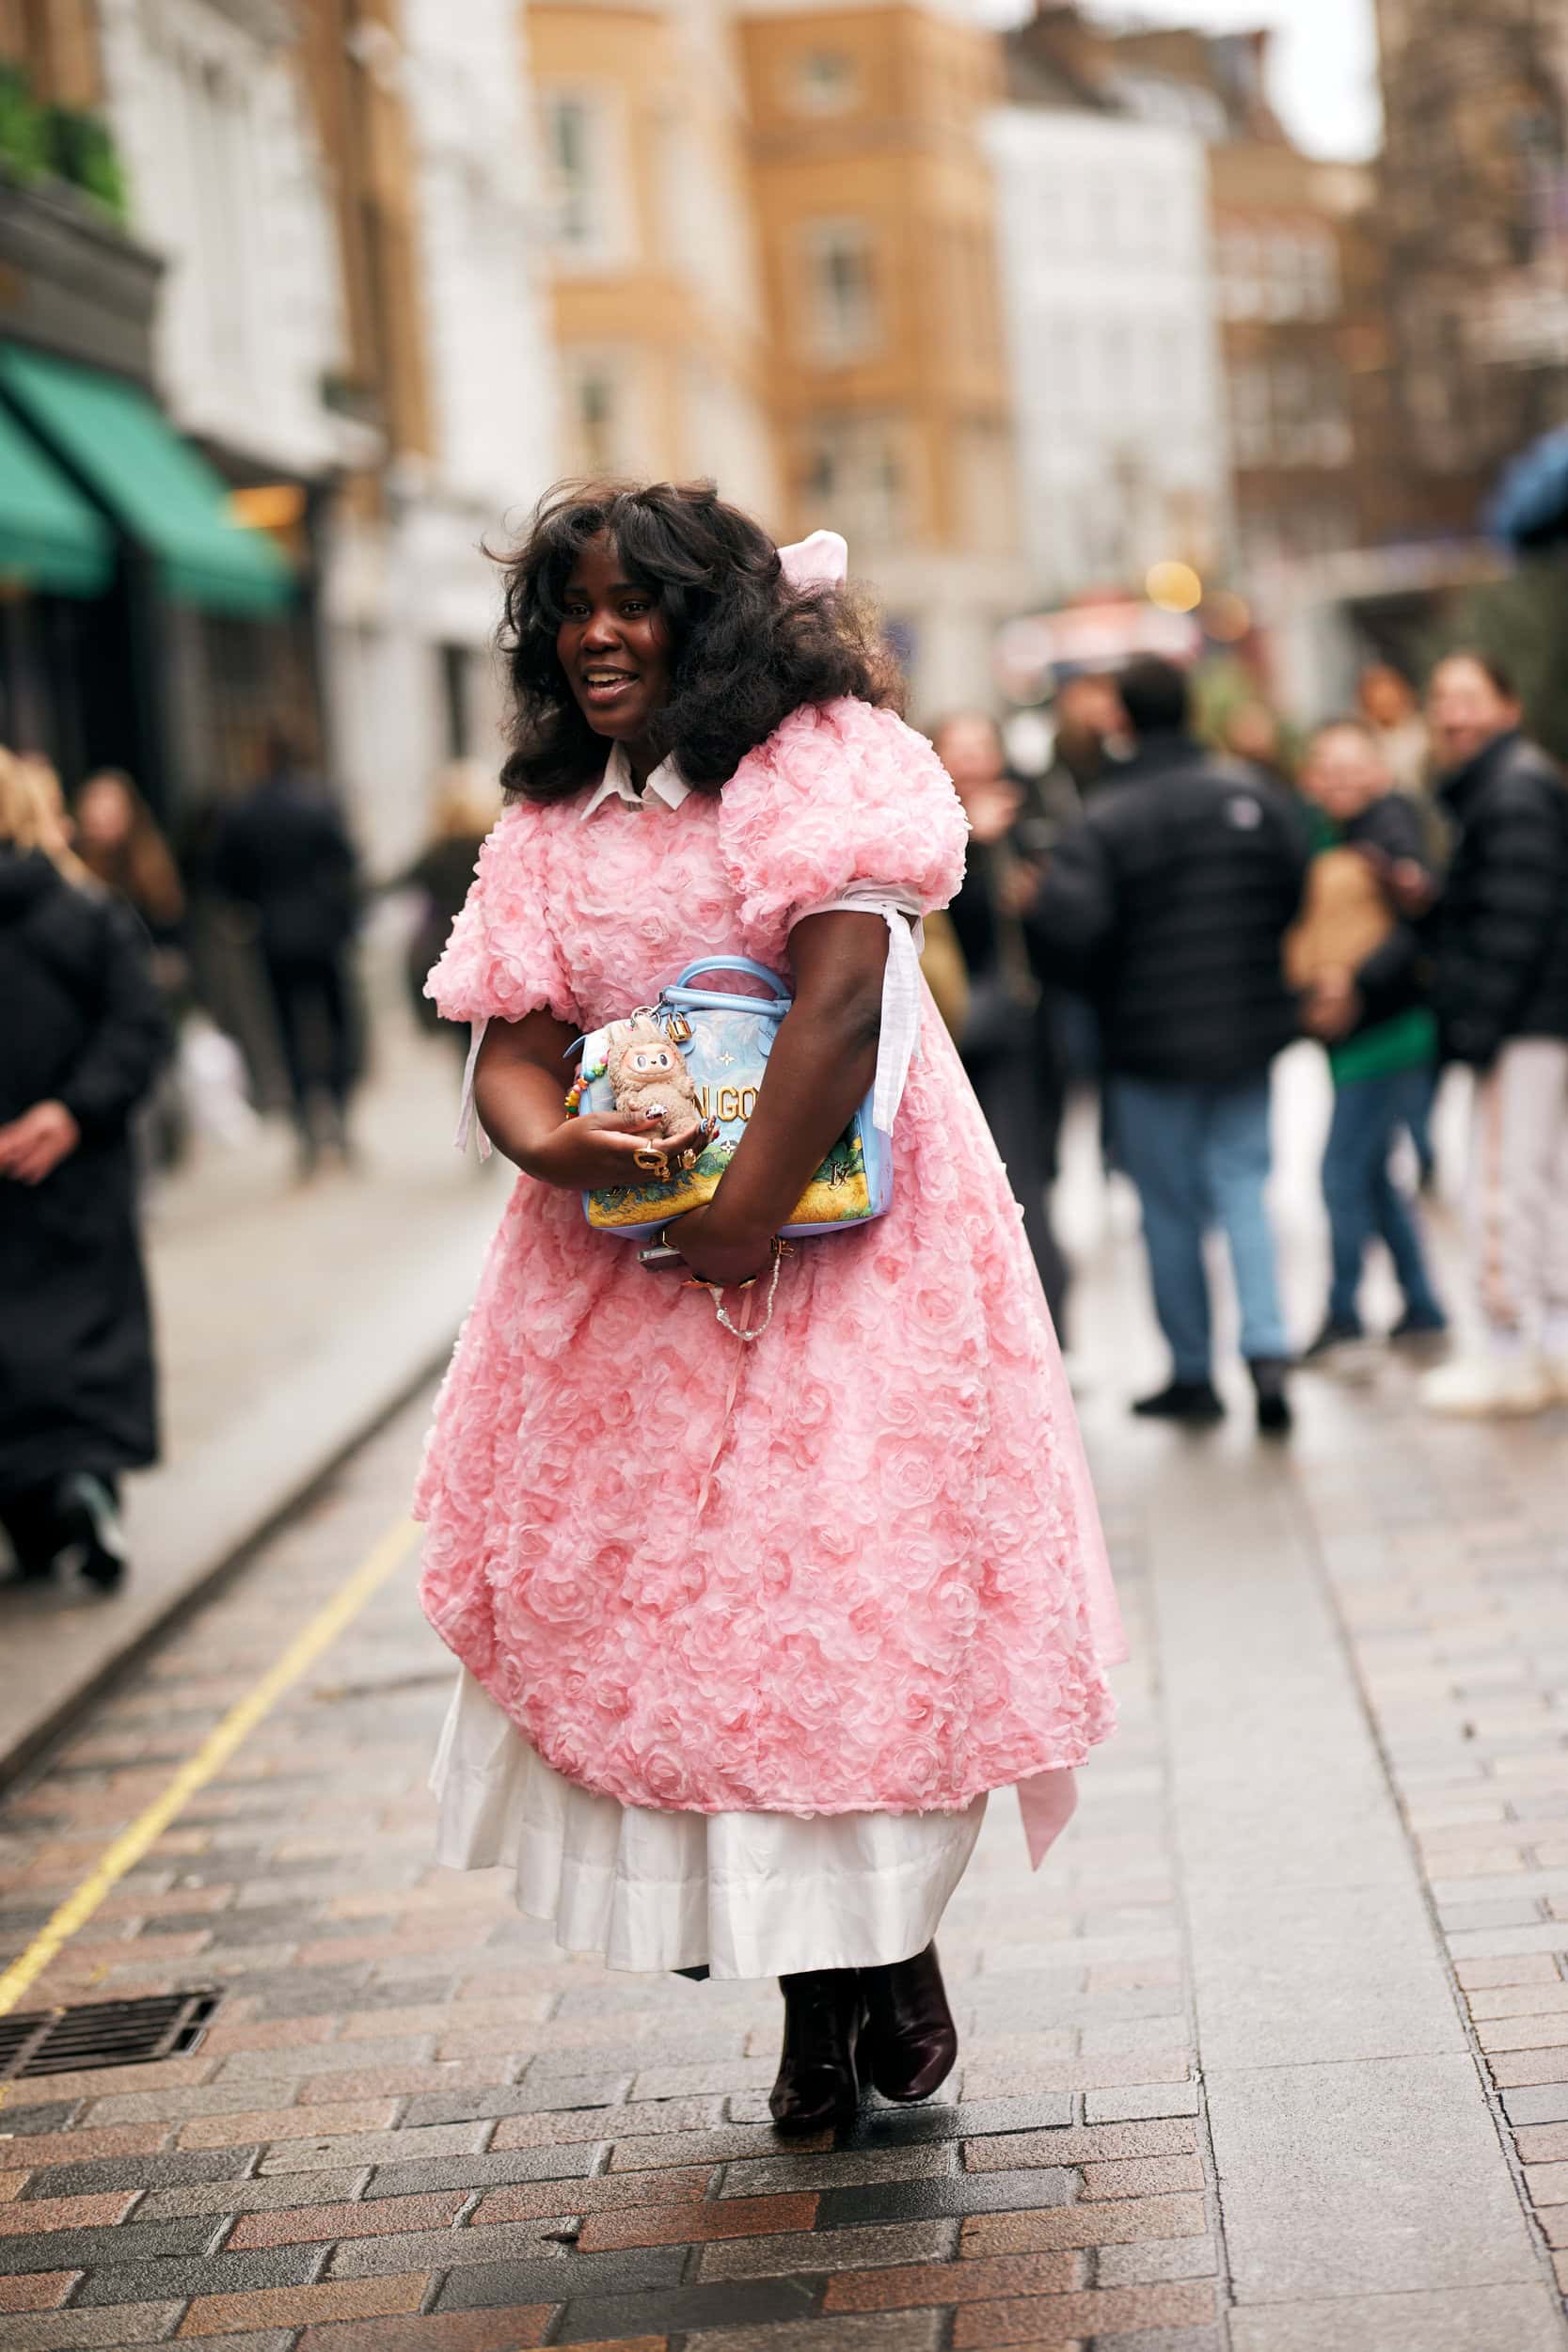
{"points": [[1272, 2055]]}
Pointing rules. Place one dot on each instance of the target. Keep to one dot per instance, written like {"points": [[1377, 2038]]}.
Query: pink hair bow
{"points": [[821, 562]]}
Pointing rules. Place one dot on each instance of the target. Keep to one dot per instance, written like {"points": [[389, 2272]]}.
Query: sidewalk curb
{"points": [[194, 1524]]}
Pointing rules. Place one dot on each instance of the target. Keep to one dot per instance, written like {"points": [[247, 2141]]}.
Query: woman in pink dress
{"points": [[747, 1631]]}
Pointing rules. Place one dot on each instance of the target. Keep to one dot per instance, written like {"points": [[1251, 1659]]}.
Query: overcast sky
{"points": [[1325, 60]]}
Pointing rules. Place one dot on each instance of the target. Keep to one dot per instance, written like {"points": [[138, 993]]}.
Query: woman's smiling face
{"points": [[613, 644]]}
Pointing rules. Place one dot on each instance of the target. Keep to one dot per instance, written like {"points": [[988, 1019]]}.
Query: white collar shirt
{"points": [[666, 785]]}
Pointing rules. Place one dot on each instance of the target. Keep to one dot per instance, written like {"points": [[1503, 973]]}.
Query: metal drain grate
{"points": [[104, 2033]]}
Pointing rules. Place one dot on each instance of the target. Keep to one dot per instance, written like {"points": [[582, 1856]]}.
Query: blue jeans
{"points": [[1361, 1197], [1200, 1157]]}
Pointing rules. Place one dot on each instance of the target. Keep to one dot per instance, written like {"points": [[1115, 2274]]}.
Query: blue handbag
{"points": [[724, 1040]]}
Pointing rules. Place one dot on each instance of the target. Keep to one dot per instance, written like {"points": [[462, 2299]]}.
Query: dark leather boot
{"points": [[818, 2084], [910, 2040]]}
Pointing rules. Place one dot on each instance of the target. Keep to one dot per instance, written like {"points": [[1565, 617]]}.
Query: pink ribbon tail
{"points": [[1047, 1804]]}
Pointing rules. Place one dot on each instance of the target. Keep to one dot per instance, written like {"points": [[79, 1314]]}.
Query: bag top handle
{"points": [[732, 963]]}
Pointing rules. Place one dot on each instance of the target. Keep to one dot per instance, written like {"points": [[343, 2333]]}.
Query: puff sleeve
{"points": [[840, 796], [502, 959]]}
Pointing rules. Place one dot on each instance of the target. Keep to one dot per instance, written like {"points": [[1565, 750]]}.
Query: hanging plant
{"points": [[82, 150], [24, 130]]}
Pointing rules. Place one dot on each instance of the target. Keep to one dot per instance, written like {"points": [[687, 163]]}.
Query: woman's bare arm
{"points": [[520, 1081]]}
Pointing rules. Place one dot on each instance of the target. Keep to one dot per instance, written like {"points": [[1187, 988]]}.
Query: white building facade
{"points": [[229, 185], [411, 599], [1117, 382]]}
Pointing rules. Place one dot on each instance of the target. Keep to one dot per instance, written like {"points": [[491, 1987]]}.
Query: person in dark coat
{"points": [[81, 1043], [1497, 943], [1168, 906], [466, 806], [1005, 1044], [285, 853]]}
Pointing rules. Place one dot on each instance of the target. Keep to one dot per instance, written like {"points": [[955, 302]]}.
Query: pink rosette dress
{"points": [[747, 1634]]}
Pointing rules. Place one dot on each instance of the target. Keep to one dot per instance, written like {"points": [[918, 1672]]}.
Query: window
{"points": [[577, 147], [597, 421], [1115, 391], [1251, 428], [596, 411], [824, 82], [1303, 273], [855, 482], [1063, 367], [841, 292], [1321, 271], [1241, 292]]}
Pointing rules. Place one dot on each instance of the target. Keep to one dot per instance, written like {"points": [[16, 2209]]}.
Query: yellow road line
{"points": [[216, 1750]]}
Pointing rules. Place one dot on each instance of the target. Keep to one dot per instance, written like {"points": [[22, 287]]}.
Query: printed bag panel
{"points": [[726, 1056]]}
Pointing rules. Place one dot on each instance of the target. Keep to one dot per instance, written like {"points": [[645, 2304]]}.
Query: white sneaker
{"points": [[1486, 1387]]}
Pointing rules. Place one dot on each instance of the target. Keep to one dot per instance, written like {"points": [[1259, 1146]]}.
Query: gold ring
{"points": [[689, 1157], [653, 1162]]}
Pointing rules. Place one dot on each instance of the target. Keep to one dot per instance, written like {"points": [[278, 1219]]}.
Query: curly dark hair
{"points": [[746, 648]]}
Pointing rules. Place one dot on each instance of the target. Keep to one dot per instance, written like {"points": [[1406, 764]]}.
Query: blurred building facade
{"points": [[425, 124], [133, 594], [225, 183], [1261, 276], [1475, 206], [657, 313], [775, 265], [876, 208], [1107, 246], [273, 360], [1295, 300]]}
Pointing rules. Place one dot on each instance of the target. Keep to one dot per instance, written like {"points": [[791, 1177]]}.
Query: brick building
{"points": [[1475, 213]]}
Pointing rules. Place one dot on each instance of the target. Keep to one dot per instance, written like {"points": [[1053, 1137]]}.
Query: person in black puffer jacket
{"points": [[1496, 950], [1167, 907], [81, 1043]]}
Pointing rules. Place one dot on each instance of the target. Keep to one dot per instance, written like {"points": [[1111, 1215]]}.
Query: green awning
{"points": [[165, 495], [50, 537]]}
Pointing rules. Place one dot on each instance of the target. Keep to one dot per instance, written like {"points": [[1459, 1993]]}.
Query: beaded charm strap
{"points": [[782, 1249]]}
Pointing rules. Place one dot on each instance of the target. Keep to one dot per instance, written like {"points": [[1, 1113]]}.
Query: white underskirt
{"points": [[746, 1894]]}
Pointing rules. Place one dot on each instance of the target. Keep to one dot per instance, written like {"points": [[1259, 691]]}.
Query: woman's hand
{"points": [[1332, 1008], [600, 1148], [715, 1251], [518, 1092]]}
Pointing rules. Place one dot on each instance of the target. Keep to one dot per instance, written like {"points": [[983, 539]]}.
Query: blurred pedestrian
{"points": [[1089, 744], [117, 840], [1352, 956], [81, 1041], [1169, 905], [466, 804], [1391, 708], [943, 966], [1498, 944], [1252, 730], [284, 852], [1007, 1046], [748, 1631], [51, 821]]}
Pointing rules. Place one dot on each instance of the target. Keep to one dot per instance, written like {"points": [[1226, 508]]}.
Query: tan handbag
{"points": [[1346, 917]]}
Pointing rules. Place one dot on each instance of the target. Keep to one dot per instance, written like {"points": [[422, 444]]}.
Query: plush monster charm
{"points": [[648, 1073]]}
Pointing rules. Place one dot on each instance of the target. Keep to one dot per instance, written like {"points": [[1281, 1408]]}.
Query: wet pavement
{"points": [[1271, 2055]]}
